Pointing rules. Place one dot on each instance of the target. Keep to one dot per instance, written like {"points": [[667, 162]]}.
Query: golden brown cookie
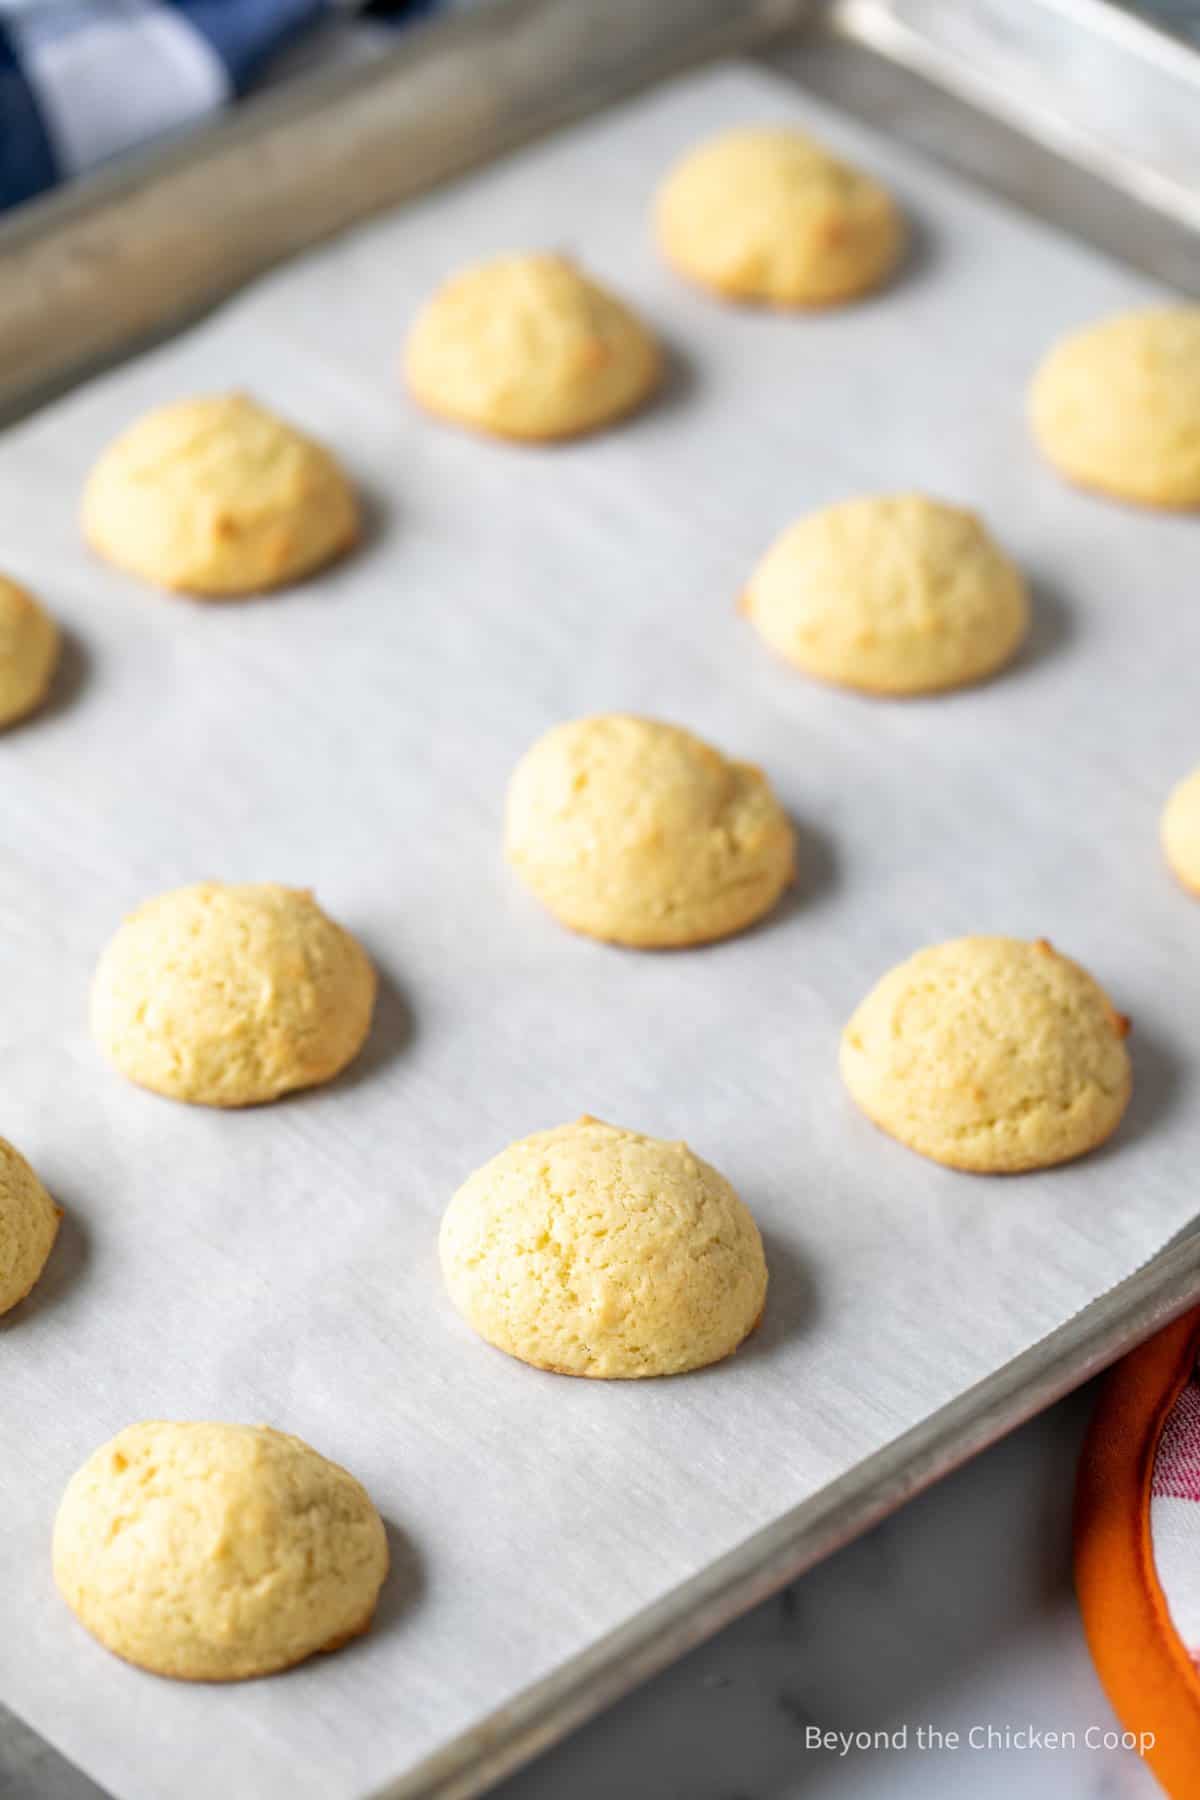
{"points": [[896, 595], [768, 214], [229, 995], [590, 1250], [1181, 832], [641, 834], [1116, 406], [214, 1552], [990, 1054], [530, 347], [220, 498], [28, 1227], [29, 646]]}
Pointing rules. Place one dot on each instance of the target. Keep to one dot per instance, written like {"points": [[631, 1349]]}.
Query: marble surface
{"points": [[954, 1616]]}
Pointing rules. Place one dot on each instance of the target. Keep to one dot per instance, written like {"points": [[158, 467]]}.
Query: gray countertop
{"points": [[956, 1614]]}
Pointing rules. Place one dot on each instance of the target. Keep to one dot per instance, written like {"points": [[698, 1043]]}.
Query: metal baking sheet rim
{"points": [[50, 244], [137, 250], [1157, 1293]]}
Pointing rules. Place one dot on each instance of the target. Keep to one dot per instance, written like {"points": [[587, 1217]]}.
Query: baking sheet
{"points": [[355, 735]]}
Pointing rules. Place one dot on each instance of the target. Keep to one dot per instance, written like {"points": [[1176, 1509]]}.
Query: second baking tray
{"points": [[554, 1540]]}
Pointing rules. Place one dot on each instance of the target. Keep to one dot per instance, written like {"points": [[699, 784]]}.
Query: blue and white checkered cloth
{"points": [[85, 80]]}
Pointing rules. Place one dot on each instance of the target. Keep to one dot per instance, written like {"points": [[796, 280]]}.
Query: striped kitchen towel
{"points": [[85, 80]]}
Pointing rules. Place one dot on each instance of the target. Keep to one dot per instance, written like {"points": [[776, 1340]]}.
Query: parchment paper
{"points": [[356, 735]]}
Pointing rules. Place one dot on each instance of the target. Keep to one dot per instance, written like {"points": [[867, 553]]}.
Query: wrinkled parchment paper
{"points": [[355, 735]]}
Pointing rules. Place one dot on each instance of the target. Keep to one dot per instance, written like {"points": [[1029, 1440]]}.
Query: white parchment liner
{"points": [[355, 736]]}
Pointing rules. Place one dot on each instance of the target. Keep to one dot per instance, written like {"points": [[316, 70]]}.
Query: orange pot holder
{"points": [[1137, 1550]]}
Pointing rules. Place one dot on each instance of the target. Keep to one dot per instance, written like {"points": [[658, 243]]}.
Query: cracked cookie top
{"points": [[216, 496], [642, 834], [591, 1250], [215, 1552], [991, 1054]]}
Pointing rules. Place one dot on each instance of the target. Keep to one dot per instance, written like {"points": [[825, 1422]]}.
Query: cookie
{"points": [[589, 1250], [219, 498], [28, 1227], [767, 214], [1181, 832], [29, 647], [1116, 406], [231, 995], [530, 347], [216, 1552], [641, 834], [899, 595], [990, 1054]]}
